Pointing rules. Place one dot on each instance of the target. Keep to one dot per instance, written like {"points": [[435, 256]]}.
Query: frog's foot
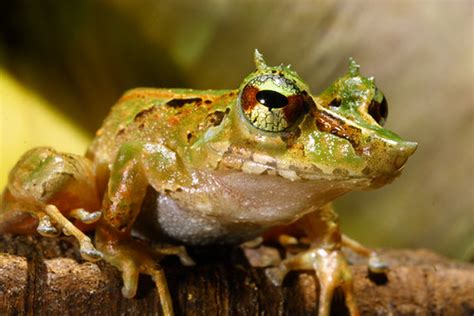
{"points": [[376, 264], [132, 257], [48, 229], [332, 271]]}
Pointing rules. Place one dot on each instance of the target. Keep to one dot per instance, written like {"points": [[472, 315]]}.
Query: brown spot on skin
{"points": [[249, 98], [143, 94], [215, 118], [177, 103], [142, 114], [295, 108], [331, 124], [151, 94]]}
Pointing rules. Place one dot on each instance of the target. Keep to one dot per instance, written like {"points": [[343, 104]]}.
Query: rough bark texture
{"points": [[45, 276]]}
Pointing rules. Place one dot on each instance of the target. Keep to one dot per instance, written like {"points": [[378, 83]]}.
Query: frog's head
{"points": [[354, 110], [279, 127]]}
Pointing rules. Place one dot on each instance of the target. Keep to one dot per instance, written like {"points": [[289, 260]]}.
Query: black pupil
{"points": [[271, 99]]}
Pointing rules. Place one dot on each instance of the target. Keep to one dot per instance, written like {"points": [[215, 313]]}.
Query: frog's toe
{"points": [[130, 273], [179, 251], [89, 253], [186, 260], [85, 216], [159, 278], [46, 228], [376, 264]]}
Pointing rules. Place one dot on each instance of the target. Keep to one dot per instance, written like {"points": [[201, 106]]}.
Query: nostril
{"points": [[335, 103]]}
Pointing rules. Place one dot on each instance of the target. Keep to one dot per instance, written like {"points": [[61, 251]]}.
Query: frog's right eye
{"points": [[270, 107], [271, 99], [379, 111]]}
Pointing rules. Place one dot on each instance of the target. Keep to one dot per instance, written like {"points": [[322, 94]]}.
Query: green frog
{"points": [[225, 167]]}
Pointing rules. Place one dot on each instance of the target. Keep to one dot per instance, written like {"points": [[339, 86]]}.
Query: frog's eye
{"points": [[271, 99], [379, 111], [272, 108]]}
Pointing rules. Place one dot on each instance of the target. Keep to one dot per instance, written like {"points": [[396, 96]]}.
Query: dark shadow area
{"points": [[80, 56]]}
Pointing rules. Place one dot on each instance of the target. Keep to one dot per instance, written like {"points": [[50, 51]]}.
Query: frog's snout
{"points": [[406, 149], [387, 161]]}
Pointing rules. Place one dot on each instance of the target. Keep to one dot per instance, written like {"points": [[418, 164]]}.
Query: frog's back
{"points": [[150, 115]]}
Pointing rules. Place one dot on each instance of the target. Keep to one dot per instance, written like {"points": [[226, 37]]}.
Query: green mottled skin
{"points": [[166, 125]]}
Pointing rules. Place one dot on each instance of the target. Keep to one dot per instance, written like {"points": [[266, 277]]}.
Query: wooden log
{"points": [[46, 276]]}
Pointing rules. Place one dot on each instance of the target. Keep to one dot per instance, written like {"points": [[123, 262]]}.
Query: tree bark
{"points": [[46, 276]]}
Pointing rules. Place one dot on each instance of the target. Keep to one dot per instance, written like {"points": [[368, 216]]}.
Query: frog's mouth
{"points": [[250, 162], [261, 164]]}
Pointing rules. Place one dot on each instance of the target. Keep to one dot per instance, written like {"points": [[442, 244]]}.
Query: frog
{"points": [[226, 167]]}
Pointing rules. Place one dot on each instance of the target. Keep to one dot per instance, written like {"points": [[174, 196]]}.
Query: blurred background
{"points": [[64, 63]]}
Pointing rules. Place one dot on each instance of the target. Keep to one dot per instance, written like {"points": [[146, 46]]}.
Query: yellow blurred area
{"points": [[27, 120]]}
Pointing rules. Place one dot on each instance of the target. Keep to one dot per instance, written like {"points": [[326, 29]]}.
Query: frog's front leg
{"points": [[324, 257], [136, 167], [49, 186]]}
